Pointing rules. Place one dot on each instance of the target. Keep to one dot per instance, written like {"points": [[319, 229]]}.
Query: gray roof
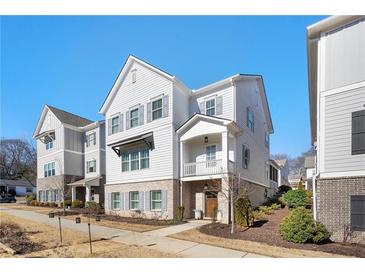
{"points": [[4, 182], [309, 162], [281, 162], [69, 118]]}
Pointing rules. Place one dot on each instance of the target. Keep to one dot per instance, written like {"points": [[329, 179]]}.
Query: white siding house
{"points": [[168, 145], [336, 62]]}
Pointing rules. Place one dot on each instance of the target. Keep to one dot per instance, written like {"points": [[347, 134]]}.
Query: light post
{"points": [[51, 216], [97, 219]]}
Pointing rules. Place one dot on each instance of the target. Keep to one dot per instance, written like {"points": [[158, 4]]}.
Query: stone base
{"points": [[334, 204], [56, 183]]}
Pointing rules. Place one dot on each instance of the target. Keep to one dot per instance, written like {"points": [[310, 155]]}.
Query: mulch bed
{"points": [[14, 237], [266, 231]]}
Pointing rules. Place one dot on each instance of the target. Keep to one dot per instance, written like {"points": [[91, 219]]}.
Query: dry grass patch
{"points": [[249, 246]]}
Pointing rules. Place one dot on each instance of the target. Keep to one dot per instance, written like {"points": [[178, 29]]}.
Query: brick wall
{"points": [[333, 206], [56, 182]]}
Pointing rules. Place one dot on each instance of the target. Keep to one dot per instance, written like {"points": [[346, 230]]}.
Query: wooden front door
{"points": [[211, 204]]}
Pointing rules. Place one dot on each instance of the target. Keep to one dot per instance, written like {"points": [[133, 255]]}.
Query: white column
{"points": [[182, 157], [73, 193], [87, 193], [225, 150]]}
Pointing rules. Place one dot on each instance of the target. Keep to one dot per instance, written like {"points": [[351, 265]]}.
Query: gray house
{"points": [[70, 157]]}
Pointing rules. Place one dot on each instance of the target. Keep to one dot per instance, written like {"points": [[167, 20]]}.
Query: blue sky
{"points": [[71, 62]]}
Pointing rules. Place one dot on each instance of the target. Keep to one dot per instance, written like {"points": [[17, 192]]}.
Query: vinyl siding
{"points": [[58, 158], [74, 140], [74, 163], [180, 107], [344, 55], [337, 131]]}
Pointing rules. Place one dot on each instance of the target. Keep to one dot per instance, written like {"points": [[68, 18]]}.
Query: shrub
{"points": [[66, 203], [76, 204], [275, 200], [309, 195], [94, 207], [34, 203], [258, 215], [265, 210], [46, 204], [243, 211], [180, 213], [299, 227], [284, 188], [52, 204], [41, 204], [295, 198], [29, 198], [275, 206], [301, 185]]}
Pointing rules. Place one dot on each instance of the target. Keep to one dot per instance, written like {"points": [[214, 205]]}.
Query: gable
{"points": [[47, 121]]}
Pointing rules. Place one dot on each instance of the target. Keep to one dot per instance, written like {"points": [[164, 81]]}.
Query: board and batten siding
{"points": [[149, 85], [74, 140], [344, 53], [338, 110]]}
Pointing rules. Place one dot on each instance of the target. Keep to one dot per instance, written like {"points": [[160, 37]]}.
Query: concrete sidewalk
{"points": [[153, 239]]}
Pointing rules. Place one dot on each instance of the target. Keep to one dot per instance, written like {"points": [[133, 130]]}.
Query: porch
{"points": [[88, 189]]}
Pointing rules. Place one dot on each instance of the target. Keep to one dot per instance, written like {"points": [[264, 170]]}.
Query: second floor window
{"points": [[210, 107], [91, 139], [273, 174], [250, 120], [135, 160], [91, 166], [245, 156], [49, 169], [49, 145], [134, 114], [134, 200], [157, 109], [115, 124]]}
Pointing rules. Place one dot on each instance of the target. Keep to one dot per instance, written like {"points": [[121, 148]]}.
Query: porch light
{"points": [[206, 139], [51, 215], [206, 187], [78, 220]]}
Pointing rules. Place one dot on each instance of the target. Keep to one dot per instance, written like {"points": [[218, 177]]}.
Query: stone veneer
{"points": [[334, 205], [172, 187]]}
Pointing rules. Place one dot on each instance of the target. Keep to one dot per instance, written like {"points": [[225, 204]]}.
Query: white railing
{"points": [[206, 168]]}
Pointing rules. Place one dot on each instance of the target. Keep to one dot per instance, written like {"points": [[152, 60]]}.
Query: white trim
{"points": [[204, 177], [143, 180], [342, 174], [255, 182], [343, 89], [94, 150]]}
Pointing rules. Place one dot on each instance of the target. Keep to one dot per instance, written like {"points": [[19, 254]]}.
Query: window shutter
{"points": [[127, 120], [121, 122], [202, 107], [121, 200], [164, 200], [94, 138], [147, 205], [243, 156], [141, 115], [165, 106], [109, 126], [110, 201], [126, 199], [219, 105], [149, 112], [141, 200], [358, 212], [358, 133]]}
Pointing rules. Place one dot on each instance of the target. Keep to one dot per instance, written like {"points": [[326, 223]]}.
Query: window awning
{"points": [[47, 136], [146, 138], [93, 181]]}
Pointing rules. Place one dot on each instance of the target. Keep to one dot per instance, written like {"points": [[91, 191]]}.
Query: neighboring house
{"points": [[336, 62], [294, 180], [284, 171], [310, 171], [19, 187], [168, 145], [274, 174], [70, 157]]}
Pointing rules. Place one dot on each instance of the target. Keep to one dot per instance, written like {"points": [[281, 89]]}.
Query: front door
{"points": [[211, 204]]}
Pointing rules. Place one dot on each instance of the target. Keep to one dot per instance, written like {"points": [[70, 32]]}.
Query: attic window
{"points": [[134, 76]]}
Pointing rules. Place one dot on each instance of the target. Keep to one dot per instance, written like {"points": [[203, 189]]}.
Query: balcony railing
{"points": [[210, 167]]}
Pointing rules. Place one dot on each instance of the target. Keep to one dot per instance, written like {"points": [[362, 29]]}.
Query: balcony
{"points": [[210, 167]]}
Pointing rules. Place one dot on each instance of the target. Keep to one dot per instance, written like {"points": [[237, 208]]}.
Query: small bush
{"points": [[295, 198], [41, 204], [299, 227], [46, 204], [66, 203], [34, 203], [258, 215], [275, 200], [180, 213], [275, 206], [94, 207], [309, 195], [77, 204], [29, 198], [243, 211], [265, 210], [52, 204], [301, 185], [284, 188]]}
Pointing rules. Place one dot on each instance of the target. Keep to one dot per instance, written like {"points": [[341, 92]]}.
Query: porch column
{"points": [[73, 193], [225, 151], [182, 157], [87, 193]]}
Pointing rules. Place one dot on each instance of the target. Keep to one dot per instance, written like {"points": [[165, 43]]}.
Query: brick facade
{"points": [[56, 182], [333, 206]]}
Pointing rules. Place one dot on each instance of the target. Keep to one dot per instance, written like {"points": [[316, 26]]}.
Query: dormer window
{"points": [[210, 107]]}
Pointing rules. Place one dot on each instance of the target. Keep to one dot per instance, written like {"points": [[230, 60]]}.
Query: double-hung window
{"points": [[134, 200], [245, 156], [49, 169], [135, 160], [134, 117], [250, 120], [157, 109], [91, 166], [145, 158], [125, 161], [115, 200], [211, 155], [156, 200], [49, 145], [115, 124], [90, 139], [210, 107]]}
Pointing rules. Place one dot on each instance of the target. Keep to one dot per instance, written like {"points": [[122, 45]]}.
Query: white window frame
{"points": [[134, 201], [138, 160], [147, 159], [134, 76], [90, 139], [158, 110], [134, 161], [126, 153], [250, 122], [132, 119], [49, 145], [88, 166], [158, 201], [207, 109], [49, 169], [115, 126], [115, 200]]}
